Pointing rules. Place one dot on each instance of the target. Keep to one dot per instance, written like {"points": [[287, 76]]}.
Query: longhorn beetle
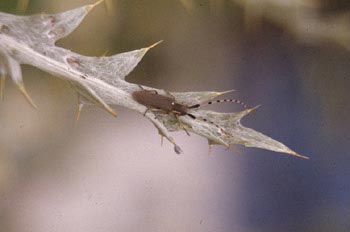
{"points": [[155, 101]]}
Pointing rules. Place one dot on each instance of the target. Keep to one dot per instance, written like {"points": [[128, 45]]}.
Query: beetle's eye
{"points": [[173, 103]]}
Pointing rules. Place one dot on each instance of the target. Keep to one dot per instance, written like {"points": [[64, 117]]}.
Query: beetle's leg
{"points": [[210, 146], [141, 87], [152, 109], [144, 114], [154, 91], [181, 124]]}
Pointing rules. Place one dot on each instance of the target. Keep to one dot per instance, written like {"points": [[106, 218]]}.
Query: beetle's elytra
{"points": [[154, 100]]}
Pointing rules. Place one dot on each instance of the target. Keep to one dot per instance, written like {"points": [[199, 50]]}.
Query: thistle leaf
{"points": [[44, 28], [110, 68], [3, 74], [101, 80]]}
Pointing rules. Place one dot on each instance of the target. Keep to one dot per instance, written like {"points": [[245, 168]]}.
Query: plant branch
{"points": [[101, 80]]}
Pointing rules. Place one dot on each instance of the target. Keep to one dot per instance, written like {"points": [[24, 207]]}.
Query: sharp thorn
{"points": [[161, 140], [2, 88], [26, 95], [110, 110], [252, 109], [91, 6], [99, 100], [298, 155], [210, 149], [223, 92], [105, 106], [80, 109], [233, 148], [153, 45]]}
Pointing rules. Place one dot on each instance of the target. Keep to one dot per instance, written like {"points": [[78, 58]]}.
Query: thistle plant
{"points": [[101, 80]]}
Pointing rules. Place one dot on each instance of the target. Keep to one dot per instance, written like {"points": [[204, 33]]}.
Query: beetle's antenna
{"points": [[191, 116], [214, 124], [210, 122], [219, 101]]}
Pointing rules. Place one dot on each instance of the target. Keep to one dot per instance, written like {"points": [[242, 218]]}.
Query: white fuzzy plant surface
{"points": [[101, 80]]}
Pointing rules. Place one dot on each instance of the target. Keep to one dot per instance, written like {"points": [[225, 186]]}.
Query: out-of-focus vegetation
{"points": [[109, 174]]}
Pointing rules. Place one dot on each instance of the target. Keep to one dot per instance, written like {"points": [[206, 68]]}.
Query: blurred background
{"points": [[290, 56]]}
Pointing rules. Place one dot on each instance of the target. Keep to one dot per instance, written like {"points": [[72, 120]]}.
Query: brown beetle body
{"points": [[154, 100]]}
